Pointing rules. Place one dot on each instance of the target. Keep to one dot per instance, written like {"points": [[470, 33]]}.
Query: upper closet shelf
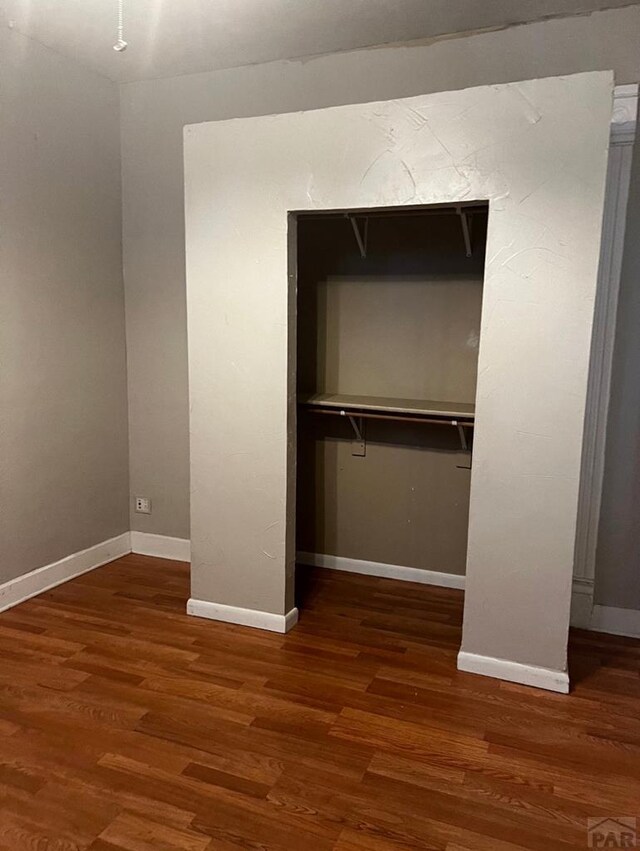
{"points": [[355, 405]]}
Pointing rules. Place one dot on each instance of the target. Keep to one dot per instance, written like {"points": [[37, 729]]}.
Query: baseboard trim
{"points": [[616, 621], [515, 672], [584, 615], [161, 546], [596, 618], [44, 578], [582, 603], [376, 568], [244, 617]]}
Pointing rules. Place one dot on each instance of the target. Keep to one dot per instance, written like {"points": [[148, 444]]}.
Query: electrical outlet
{"points": [[143, 505]]}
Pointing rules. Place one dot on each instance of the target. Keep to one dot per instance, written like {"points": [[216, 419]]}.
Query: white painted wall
{"points": [[507, 144], [63, 404], [153, 114]]}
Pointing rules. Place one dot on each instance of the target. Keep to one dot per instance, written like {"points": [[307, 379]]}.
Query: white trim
{"points": [[515, 672], [625, 622], [43, 578], [616, 621], [376, 568], [581, 597], [584, 615], [582, 603], [623, 129], [596, 618], [245, 617], [625, 114], [161, 546]]}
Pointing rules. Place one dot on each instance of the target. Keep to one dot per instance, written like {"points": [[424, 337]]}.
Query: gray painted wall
{"points": [[153, 114], [618, 552], [63, 406]]}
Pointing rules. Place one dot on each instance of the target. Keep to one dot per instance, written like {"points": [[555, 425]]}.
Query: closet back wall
{"points": [[402, 322]]}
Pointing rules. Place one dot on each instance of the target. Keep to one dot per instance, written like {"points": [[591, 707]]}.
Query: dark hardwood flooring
{"points": [[125, 724]]}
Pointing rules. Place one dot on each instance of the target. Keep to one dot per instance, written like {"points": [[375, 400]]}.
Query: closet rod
{"points": [[395, 417]]}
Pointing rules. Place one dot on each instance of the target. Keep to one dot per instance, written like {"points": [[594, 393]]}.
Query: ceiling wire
{"points": [[120, 44]]}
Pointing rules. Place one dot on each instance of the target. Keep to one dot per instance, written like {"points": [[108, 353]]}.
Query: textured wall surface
{"points": [[63, 404], [507, 144], [153, 114]]}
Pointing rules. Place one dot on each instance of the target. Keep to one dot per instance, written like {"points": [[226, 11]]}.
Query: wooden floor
{"points": [[124, 724]]}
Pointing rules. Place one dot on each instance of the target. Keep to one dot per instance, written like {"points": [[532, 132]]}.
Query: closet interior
{"points": [[388, 328]]}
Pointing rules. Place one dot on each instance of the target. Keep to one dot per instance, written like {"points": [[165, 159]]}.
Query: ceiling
{"points": [[171, 37]]}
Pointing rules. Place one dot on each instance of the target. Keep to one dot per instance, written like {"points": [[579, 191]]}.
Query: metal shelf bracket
{"points": [[358, 443], [466, 230], [463, 437], [465, 449], [360, 235]]}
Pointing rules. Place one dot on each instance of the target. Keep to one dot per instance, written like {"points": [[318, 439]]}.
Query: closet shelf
{"points": [[417, 409]]}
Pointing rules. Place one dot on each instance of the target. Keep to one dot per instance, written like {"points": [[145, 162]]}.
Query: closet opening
{"points": [[388, 327]]}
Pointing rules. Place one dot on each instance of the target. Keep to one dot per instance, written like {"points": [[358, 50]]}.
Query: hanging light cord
{"points": [[120, 44]]}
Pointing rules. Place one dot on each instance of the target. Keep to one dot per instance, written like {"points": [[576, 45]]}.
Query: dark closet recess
{"points": [[388, 329]]}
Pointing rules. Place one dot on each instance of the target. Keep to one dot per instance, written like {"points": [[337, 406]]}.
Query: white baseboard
{"points": [[582, 603], [43, 578], [376, 568], [161, 546], [625, 622], [583, 613], [515, 672], [586, 615], [616, 621], [245, 617]]}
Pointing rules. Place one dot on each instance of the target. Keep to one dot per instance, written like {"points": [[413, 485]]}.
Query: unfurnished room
{"points": [[319, 425]]}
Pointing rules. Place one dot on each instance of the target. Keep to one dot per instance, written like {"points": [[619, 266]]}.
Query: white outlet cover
{"points": [[143, 505]]}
